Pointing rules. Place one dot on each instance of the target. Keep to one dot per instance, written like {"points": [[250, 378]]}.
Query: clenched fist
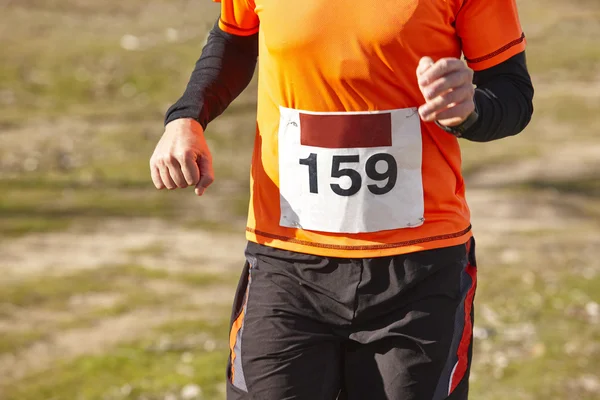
{"points": [[182, 157], [447, 86]]}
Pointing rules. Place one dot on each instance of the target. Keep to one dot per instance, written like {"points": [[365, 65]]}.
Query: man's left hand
{"points": [[447, 86]]}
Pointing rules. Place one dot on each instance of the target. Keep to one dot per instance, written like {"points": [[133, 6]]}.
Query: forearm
{"points": [[224, 70], [503, 99]]}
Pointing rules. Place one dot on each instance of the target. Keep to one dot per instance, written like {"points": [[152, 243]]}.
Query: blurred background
{"points": [[112, 290]]}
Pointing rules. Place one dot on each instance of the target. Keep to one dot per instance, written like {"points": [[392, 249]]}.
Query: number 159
{"points": [[389, 175]]}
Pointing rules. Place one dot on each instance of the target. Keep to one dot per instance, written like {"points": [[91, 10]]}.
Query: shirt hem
{"points": [[358, 251]]}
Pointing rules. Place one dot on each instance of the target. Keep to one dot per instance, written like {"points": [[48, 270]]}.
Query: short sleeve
{"points": [[490, 32], [238, 17]]}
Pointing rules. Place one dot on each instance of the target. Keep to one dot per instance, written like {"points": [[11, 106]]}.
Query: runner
{"points": [[360, 267]]}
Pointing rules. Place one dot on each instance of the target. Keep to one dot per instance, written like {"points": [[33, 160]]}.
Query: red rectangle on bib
{"points": [[344, 131]]}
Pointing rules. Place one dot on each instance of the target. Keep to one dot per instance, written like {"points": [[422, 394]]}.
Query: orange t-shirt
{"points": [[342, 164]]}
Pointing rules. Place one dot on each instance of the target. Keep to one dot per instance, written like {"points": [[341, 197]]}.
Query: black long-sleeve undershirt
{"points": [[504, 100], [503, 94], [224, 70]]}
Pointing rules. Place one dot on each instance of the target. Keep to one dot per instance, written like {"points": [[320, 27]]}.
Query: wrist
{"points": [[460, 129], [185, 124], [176, 113], [182, 121]]}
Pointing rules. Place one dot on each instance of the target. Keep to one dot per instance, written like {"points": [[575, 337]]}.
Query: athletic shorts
{"points": [[307, 327]]}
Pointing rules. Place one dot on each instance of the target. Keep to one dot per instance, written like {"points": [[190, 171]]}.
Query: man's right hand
{"points": [[182, 157]]}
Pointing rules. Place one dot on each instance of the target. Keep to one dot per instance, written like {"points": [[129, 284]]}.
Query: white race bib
{"points": [[350, 172]]}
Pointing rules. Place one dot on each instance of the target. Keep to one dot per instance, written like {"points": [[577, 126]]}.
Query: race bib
{"points": [[350, 172]]}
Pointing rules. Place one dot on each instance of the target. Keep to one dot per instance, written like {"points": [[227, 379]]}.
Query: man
{"points": [[360, 272]]}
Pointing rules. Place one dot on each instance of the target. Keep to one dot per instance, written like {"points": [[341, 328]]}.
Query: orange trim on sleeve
{"points": [[496, 57], [490, 32], [234, 30], [238, 17]]}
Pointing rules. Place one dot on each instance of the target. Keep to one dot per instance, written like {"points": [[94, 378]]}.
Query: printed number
{"points": [[390, 174], [354, 176], [311, 161]]}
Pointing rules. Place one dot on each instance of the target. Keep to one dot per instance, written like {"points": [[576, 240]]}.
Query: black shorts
{"points": [[306, 327]]}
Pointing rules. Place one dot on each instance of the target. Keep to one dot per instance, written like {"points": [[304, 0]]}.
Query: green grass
{"points": [[216, 328], [94, 74], [583, 186], [146, 368], [87, 114], [101, 107], [155, 249], [173, 355], [112, 181], [540, 367], [561, 36], [570, 109], [48, 294], [11, 342], [54, 292]]}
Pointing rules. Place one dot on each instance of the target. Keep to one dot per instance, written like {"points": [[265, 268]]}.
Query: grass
{"points": [[561, 37], [548, 361], [569, 108], [171, 356], [108, 177], [12, 342], [155, 249], [128, 288], [55, 292], [83, 89], [584, 186], [109, 79], [97, 106], [144, 369], [216, 328]]}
